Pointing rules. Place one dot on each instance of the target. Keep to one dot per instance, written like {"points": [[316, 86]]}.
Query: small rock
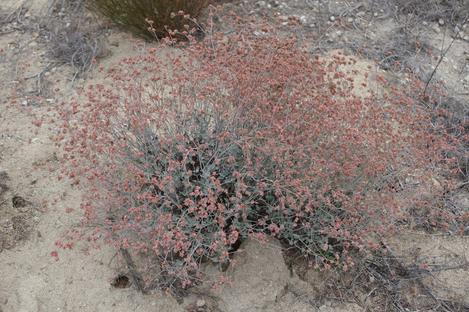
{"points": [[441, 22], [436, 183], [332, 18], [375, 14], [283, 18], [424, 23], [200, 303], [350, 20], [411, 181]]}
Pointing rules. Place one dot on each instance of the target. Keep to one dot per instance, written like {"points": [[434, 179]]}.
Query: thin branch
{"points": [[442, 55]]}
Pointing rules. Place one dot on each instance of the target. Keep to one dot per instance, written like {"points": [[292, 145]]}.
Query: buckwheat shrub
{"points": [[150, 18], [187, 152]]}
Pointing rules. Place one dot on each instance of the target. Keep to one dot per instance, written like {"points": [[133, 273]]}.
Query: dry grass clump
{"points": [[72, 37], [383, 281], [165, 15], [75, 47], [452, 11]]}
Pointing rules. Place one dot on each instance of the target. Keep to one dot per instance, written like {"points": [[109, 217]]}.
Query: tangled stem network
{"points": [[187, 152]]}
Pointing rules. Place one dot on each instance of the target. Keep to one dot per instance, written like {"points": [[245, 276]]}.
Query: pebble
{"points": [[441, 22], [332, 18], [200, 303], [350, 20], [283, 18]]}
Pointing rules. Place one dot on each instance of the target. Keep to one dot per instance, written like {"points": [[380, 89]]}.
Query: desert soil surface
{"points": [[36, 207]]}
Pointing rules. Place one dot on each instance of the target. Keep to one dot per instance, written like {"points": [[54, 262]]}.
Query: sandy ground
{"points": [[36, 207]]}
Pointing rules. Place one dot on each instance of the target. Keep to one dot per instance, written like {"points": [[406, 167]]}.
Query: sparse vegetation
{"points": [[450, 11], [71, 38]]}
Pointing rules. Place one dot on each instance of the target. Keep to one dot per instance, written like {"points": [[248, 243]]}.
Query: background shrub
{"points": [[188, 152], [73, 37], [451, 11], [165, 15]]}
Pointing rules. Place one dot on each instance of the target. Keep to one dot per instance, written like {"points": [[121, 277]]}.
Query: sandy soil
{"points": [[36, 207]]}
